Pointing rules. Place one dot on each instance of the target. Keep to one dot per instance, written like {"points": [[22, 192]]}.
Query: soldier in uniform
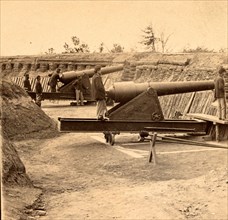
{"points": [[98, 93], [79, 90], [38, 90], [27, 85], [220, 93], [54, 80]]}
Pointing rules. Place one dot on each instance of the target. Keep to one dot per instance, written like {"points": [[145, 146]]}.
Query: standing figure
{"points": [[220, 93], [78, 90], [27, 85], [54, 80], [98, 93], [38, 90]]}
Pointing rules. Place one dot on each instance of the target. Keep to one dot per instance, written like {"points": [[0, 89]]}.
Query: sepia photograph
{"points": [[114, 109]]}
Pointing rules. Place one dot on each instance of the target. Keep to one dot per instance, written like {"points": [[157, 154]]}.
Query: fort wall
{"points": [[139, 67]]}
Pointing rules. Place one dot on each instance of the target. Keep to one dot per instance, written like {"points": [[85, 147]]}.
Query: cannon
{"points": [[67, 77], [138, 110], [140, 100], [67, 91], [125, 91]]}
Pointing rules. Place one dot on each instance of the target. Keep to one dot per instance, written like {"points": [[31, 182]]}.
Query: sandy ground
{"points": [[79, 176]]}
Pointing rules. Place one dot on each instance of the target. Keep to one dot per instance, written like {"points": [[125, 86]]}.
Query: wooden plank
{"points": [[46, 87], [205, 117], [20, 83], [217, 133], [33, 81], [152, 153], [14, 79], [207, 103], [192, 142]]}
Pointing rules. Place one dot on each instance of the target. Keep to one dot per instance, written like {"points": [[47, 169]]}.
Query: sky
{"points": [[31, 27]]}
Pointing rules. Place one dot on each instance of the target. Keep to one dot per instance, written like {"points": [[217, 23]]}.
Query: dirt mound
{"points": [[13, 169], [21, 117]]}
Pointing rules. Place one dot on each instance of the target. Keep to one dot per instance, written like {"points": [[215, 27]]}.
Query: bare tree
{"points": [[163, 39], [154, 41]]}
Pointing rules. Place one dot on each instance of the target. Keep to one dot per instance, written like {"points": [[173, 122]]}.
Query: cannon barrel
{"points": [[125, 91], [69, 76]]}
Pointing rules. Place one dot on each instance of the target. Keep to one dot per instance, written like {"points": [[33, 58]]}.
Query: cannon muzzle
{"points": [[67, 77], [125, 91]]}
